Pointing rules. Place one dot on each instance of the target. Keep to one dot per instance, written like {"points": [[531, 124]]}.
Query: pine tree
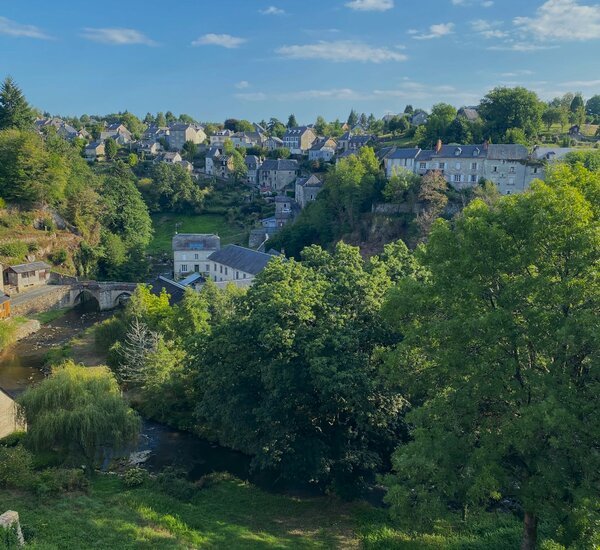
{"points": [[139, 342], [15, 112], [292, 122]]}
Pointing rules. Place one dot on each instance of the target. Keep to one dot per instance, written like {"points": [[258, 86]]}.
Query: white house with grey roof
{"points": [[236, 263], [307, 190], [191, 252]]}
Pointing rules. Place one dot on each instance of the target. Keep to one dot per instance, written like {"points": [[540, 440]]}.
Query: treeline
{"points": [[465, 372]]}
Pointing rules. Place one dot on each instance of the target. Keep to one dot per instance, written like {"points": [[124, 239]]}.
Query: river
{"points": [[23, 365]]}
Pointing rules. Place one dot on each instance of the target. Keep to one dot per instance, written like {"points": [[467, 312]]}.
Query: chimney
{"points": [[438, 146], [486, 144]]}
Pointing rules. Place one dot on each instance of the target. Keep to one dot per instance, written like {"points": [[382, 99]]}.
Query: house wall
{"points": [[511, 176], [27, 280], [185, 261], [220, 272], [9, 422]]}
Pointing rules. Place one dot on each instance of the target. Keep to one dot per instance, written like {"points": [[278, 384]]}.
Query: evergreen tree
{"points": [[292, 122], [352, 119], [15, 112]]}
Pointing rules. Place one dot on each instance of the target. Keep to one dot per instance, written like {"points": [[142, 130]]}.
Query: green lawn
{"points": [[231, 514], [164, 229]]}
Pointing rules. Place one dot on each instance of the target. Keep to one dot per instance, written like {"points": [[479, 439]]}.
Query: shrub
{"points": [[134, 477], [13, 439], [108, 332], [14, 249], [9, 537], [174, 483], [47, 224], [2, 203], [58, 257], [16, 467], [212, 479], [61, 480], [33, 247]]}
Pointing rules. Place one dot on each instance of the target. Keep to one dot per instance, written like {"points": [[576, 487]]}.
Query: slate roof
{"points": [[4, 298], [196, 241], [191, 279], [320, 143], [32, 266], [553, 153], [252, 162], [174, 290], [408, 153], [296, 131], [94, 145], [507, 152], [311, 181], [242, 259], [460, 151], [360, 140], [279, 165], [213, 152]]}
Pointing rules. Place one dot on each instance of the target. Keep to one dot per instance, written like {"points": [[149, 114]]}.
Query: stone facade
{"points": [[9, 421]]}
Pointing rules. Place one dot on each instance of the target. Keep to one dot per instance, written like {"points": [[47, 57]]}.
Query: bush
{"points": [[174, 483], [13, 439], [33, 247], [14, 249], [108, 332], [212, 479], [47, 224], [60, 480], [58, 257], [9, 537], [134, 477], [16, 468]]}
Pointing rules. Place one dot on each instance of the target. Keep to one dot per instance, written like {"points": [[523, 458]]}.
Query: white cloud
{"points": [[488, 29], [575, 84], [339, 94], [483, 4], [242, 85], [272, 10], [435, 31], [512, 46], [341, 51], [566, 20], [117, 36], [223, 40], [9, 27], [370, 5], [514, 74]]}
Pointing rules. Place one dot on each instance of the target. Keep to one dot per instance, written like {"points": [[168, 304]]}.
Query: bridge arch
{"points": [[87, 301], [122, 298]]}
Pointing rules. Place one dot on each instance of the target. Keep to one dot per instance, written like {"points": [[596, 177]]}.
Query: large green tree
{"points": [[298, 383], [15, 112], [80, 413], [501, 361], [505, 108]]}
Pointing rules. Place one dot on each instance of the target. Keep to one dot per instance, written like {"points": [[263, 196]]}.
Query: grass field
{"points": [[231, 514], [46, 317], [164, 229]]}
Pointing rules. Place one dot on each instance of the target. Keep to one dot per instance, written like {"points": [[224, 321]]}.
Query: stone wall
{"points": [[58, 297], [9, 422]]}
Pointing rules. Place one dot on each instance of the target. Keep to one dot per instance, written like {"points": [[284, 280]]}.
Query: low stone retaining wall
{"points": [[53, 299]]}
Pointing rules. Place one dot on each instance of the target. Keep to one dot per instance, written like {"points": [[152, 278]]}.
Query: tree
{"points": [[170, 118], [161, 120], [240, 170], [553, 115], [593, 106], [79, 412], [409, 110], [172, 189], [132, 159], [363, 120], [433, 196], [139, 343], [276, 128], [321, 126], [111, 148], [516, 135], [500, 361], [292, 122], [190, 150], [577, 103], [438, 123], [15, 112], [297, 385], [352, 119], [505, 108], [400, 184]]}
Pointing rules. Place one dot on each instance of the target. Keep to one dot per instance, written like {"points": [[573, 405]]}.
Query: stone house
{"points": [[95, 151], [273, 143], [396, 159], [462, 165], [277, 174], [307, 190], [420, 118], [247, 139], [235, 263], [179, 133], [213, 154], [170, 157], [149, 148], [353, 142], [118, 132], [286, 209], [24, 276], [223, 166], [322, 149], [253, 163], [510, 168], [191, 252], [299, 139], [218, 138]]}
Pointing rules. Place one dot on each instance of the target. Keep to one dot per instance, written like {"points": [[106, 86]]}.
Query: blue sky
{"points": [[256, 59]]}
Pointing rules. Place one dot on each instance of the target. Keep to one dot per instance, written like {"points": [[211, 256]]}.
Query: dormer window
{"points": [[476, 152], [458, 151]]}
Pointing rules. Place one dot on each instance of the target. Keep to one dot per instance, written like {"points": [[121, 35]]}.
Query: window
{"points": [[511, 181], [473, 166], [243, 275], [512, 170], [494, 169], [422, 165], [442, 165], [207, 268], [220, 269], [195, 256], [196, 268], [535, 170], [473, 178], [457, 178], [457, 166], [225, 271], [184, 268]]}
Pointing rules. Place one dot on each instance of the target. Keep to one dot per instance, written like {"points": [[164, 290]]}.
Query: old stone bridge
{"points": [[108, 295], [102, 296]]}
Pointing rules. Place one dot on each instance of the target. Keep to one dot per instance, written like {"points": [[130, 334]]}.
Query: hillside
{"points": [[34, 235]]}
